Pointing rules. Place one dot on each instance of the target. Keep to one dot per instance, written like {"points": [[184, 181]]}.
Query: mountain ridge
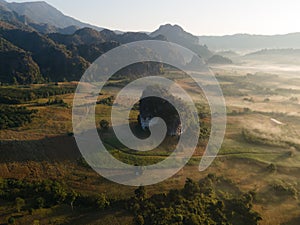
{"points": [[251, 42], [42, 13]]}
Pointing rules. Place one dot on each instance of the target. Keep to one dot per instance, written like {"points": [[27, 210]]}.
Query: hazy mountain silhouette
{"points": [[246, 42], [280, 56], [177, 35]]}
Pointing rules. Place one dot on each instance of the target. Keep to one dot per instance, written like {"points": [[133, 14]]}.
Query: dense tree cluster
{"points": [[11, 117], [197, 203], [109, 101], [11, 95], [56, 101], [47, 193]]}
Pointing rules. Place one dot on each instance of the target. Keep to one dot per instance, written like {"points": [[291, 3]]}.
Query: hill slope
{"points": [[43, 13], [16, 65]]}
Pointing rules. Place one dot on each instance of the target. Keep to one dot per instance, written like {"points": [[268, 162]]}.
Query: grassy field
{"points": [[261, 151]]}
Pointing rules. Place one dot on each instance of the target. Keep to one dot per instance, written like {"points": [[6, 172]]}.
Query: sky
{"points": [[200, 17]]}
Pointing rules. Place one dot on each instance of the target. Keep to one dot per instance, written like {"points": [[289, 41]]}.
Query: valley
{"points": [[257, 154]]}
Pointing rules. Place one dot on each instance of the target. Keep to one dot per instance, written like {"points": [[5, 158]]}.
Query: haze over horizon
{"points": [[230, 17]]}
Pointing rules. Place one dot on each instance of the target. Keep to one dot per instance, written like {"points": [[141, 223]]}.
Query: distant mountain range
{"points": [[279, 56], [39, 43], [247, 42]]}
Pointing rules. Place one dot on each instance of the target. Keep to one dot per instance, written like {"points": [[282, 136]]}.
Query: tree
{"points": [[19, 203], [193, 206], [190, 188], [140, 193], [40, 202], [139, 220], [104, 124], [72, 196]]}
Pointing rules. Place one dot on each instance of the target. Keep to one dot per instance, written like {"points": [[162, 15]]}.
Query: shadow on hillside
{"points": [[295, 221], [51, 149]]}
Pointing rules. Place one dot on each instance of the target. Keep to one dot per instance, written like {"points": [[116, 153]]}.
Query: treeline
{"points": [[197, 203], [46, 194], [56, 101], [12, 117], [258, 137], [14, 95]]}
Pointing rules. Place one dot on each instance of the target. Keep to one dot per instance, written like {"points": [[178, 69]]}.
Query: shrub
{"points": [[102, 202], [107, 101], [19, 204], [272, 168], [11, 220]]}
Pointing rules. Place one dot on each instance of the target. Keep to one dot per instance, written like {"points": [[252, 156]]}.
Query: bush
{"points": [[285, 189], [11, 220], [272, 168], [102, 202], [107, 101]]}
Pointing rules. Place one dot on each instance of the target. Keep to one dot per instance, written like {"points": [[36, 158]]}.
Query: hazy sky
{"points": [[201, 17]]}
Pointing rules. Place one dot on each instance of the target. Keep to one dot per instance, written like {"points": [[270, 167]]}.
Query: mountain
{"points": [[90, 44], [32, 52], [48, 29], [56, 63], [11, 18], [42, 43], [83, 36], [90, 36], [177, 35], [16, 65], [39, 50], [280, 56], [23, 22], [247, 42], [43, 13], [218, 59], [151, 107]]}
